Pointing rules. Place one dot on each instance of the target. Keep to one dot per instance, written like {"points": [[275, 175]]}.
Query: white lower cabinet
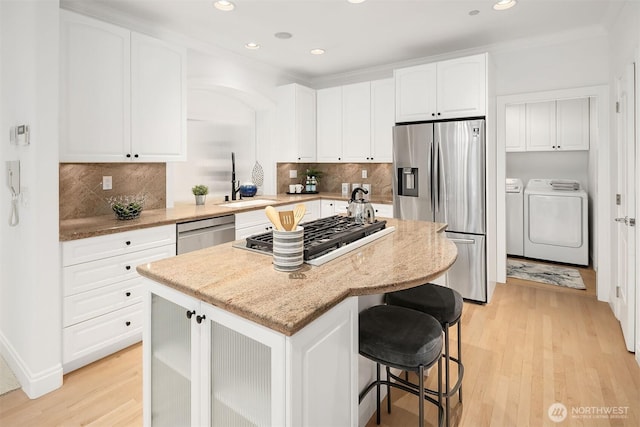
{"points": [[333, 207], [204, 366], [102, 292]]}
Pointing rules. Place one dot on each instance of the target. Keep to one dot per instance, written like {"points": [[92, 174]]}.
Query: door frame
{"points": [[599, 154]]}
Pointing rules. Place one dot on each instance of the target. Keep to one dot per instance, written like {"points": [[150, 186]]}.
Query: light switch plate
{"points": [[107, 183], [364, 174], [345, 189]]}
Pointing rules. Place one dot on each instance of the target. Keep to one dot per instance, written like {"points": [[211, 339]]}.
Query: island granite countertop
{"points": [[72, 229], [246, 284]]}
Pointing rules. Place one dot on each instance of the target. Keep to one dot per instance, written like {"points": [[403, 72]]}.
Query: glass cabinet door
{"points": [[170, 364]]}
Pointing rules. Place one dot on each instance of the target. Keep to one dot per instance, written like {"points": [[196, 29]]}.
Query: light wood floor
{"points": [[534, 345]]}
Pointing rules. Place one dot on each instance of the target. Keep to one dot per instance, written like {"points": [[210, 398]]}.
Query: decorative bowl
{"points": [[248, 189], [126, 207]]}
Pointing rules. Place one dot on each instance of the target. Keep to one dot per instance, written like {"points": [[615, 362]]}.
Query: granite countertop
{"points": [[245, 282], [72, 229]]}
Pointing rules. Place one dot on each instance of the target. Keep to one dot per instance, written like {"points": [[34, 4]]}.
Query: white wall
{"points": [[30, 303], [542, 164]]}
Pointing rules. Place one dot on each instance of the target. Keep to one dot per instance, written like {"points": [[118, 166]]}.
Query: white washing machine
{"points": [[556, 223], [515, 216]]}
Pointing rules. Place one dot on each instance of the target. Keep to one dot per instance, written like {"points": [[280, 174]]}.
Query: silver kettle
{"points": [[360, 209]]}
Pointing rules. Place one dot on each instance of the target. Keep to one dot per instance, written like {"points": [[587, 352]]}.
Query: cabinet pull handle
{"points": [[128, 267], [190, 313], [128, 242], [127, 323], [199, 318], [128, 294]]}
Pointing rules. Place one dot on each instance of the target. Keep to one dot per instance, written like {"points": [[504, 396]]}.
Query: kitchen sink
{"points": [[245, 203]]}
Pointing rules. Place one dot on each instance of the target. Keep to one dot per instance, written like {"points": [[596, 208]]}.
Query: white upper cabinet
{"points": [[416, 93], [329, 104], [455, 88], [296, 123], [557, 125], [158, 99], [572, 124], [515, 132], [122, 95], [95, 114], [382, 120], [541, 126], [355, 122]]}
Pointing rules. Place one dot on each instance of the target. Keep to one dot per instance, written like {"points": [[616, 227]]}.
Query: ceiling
{"points": [[355, 36]]}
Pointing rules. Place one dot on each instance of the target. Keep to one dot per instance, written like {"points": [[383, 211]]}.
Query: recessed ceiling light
{"points": [[356, 1], [283, 35], [317, 51], [252, 46], [474, 12], [504, 4], [224, 5]]}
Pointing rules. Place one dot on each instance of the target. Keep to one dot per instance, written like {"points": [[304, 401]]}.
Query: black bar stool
{"points": [[445, 304], [405, 339]]}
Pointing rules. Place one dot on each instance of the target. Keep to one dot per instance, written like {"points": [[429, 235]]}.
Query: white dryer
{"points": [[556, 223]]}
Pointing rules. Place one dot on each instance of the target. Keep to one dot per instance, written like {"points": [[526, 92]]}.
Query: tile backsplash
{"points": [[81, 193], [379, 176]]}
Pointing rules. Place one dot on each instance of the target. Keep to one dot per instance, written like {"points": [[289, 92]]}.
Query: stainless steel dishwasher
{"points": [[200, 234]]}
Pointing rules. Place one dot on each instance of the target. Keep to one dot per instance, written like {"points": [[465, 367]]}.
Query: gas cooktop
{"points": [[326, 235]]}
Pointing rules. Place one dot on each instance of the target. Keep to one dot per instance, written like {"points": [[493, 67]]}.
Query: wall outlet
{"points": [[364, 174], [293, 174], [368, 188], [107, 183], [355, 185], [345, 189]]}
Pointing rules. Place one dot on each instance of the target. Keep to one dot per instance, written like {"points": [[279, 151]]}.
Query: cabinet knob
{"points": [[433, 114], [128, 294], [127, 323], [339, 158], [128, 242], [438, 113], [128, 155], [199, 318], [190, 313], [299, 158], [135, 155], [128, 267], [558, 147]]}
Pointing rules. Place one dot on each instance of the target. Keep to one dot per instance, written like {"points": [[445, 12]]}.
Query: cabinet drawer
{"points": [[95, 274], [87, 305], [242, 233], [251, 218], [93, 248], [87, 337]]}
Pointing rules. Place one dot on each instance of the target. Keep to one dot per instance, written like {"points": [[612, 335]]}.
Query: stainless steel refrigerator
{"points": [[439, 175]]}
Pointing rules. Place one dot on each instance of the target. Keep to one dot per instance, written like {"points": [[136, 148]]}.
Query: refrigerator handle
{"points": [[430, 175], [436, 175], [463, 241]]}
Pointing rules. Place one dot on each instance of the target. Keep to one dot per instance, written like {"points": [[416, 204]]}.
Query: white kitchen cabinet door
{"points": [[206, 366], [158, 100], [95, 114], [329, 113], [515, 123], [416, 93], [383, 210], [356, 122], [462, 87], [324, 363], [541, 126], [572, 124], [296, 123], [382, 120]]}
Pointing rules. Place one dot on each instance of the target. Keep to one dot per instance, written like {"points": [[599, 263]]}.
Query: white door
{"points": [[624, 301]]}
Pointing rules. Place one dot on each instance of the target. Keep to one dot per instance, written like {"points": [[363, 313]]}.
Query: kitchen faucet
{"points": [[234, 189]]}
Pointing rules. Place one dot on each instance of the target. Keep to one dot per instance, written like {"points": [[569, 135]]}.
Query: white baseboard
{"points": [[33, 384]]}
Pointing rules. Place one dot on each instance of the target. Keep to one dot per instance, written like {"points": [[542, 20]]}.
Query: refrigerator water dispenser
{"points": [[408, 180]]}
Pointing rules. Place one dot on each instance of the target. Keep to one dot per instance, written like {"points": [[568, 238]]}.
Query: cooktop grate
{"points": [[322, 235]]}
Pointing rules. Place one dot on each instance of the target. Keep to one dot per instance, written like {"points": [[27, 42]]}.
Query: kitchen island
{"points": [[247, 343]]}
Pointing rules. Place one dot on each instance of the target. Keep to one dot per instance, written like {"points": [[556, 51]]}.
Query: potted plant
{"points": [[200, 191]]}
